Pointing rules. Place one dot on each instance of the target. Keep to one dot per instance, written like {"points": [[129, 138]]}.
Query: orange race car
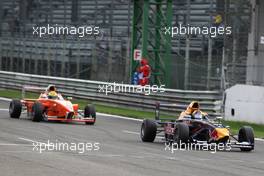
{"points": [[51, 106]]}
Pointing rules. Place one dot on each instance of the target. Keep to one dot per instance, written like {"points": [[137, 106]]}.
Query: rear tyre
{"points": [[89, 111], [148, 130], [246, 134], [37, 112], [15, 109], [181, 133]]}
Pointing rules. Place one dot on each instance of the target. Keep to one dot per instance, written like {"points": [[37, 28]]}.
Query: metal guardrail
{"points": [[210, 101]]}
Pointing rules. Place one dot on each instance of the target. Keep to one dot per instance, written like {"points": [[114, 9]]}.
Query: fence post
{"points": [[1, 19], [94, 63]]}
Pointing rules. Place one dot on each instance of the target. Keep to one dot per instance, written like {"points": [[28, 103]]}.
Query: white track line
{"points": [[9, 144], [130, 132], [28, 140], [120, 117], [137, 133], [32, 141], [5, 99], [259, 139]]}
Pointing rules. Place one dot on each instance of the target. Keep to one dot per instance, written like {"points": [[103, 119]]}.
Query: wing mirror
{"points": [[188, 116], [69, 98], [219, 119]]}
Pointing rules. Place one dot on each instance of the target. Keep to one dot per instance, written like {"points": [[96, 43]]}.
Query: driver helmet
{"points": [[52, 95], [51, 88], [193, 106]]}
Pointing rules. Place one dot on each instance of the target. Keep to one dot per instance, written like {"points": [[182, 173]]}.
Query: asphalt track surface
{"points": [[121, 152]]}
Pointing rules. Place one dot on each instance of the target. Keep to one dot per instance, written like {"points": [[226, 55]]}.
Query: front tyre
{"points": [[15, 109], [37, 112], [246, 134], [181, 133], [89, 111], [148, 130]]}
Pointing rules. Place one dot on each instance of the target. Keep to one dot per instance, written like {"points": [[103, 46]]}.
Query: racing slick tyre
{"points": [[246, 134], [89, 111], [148, 130], [37, 112], [15, 109], [181, 133]]}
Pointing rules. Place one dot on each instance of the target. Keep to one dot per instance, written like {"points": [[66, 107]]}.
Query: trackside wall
{"points": [[245, 103]]}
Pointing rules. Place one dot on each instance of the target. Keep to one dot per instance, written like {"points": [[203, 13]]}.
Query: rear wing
{"points": [[158, 105], [31, 89]]}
